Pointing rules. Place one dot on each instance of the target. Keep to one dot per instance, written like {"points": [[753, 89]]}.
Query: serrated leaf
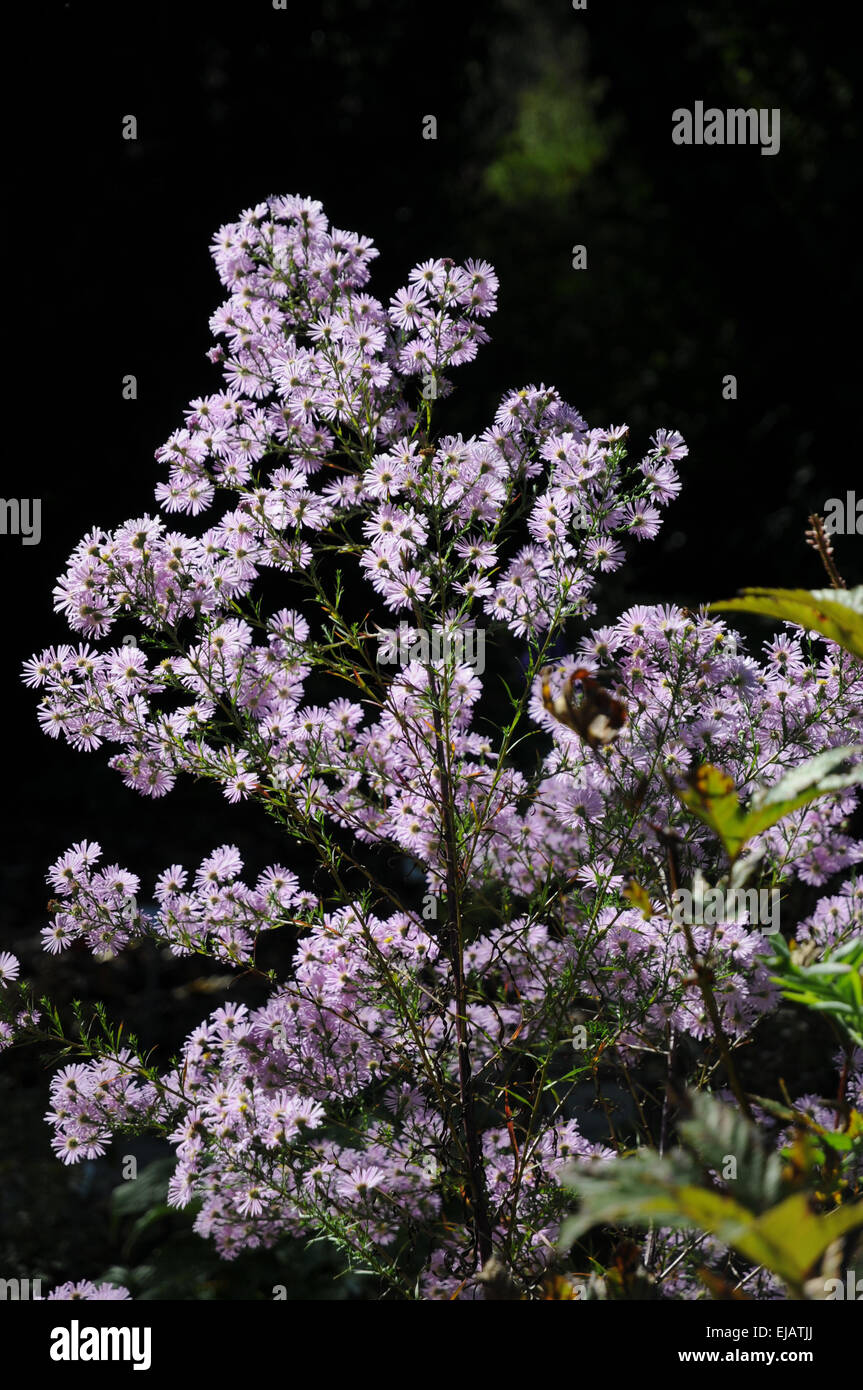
{"points": [[717, 1132], [818, 610], [788, 1237], [649, 1190]]}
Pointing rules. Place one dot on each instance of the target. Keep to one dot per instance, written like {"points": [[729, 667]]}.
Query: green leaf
{"points": [[143, 1224], [813, 778], [639, 897], [836, 613], [715, 1132], [787, 1237], [833, 985], [147, 1190], [712, 796], [842, 1143], [795, 1237], [772, 1107], [633, 1190], [828, 968]]}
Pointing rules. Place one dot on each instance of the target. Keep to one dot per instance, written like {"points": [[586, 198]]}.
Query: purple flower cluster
{"points": [[217, 915], [88, 1291], [253, 1088], [333, 1107]]}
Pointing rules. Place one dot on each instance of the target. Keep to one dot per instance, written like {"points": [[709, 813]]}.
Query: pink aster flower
{"points": [[86, 1290], [9, 968], [360, 1181], [407, 306]]}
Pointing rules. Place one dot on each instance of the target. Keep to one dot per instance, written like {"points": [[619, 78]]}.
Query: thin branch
{"points": [[818, 538]]}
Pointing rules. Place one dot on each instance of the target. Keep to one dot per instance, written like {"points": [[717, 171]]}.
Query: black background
{"points": [[554, 129]]}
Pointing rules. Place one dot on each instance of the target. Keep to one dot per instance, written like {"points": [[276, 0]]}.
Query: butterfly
{"points": [[597, 718]]}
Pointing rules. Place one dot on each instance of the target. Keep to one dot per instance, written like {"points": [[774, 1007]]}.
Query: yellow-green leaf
{"points": [[712, 796], [790, 1237], [639, 897], [836, 613]]}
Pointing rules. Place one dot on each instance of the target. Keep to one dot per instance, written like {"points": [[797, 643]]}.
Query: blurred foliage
{"points": [[84, 1222], [557, 140], [161, 1257], [774, 1217]]}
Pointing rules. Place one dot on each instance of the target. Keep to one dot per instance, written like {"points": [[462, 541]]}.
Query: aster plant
{"points": [[515, 994]]}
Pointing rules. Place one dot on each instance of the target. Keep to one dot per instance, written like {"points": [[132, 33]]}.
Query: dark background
{"points": [[553, 129]]}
